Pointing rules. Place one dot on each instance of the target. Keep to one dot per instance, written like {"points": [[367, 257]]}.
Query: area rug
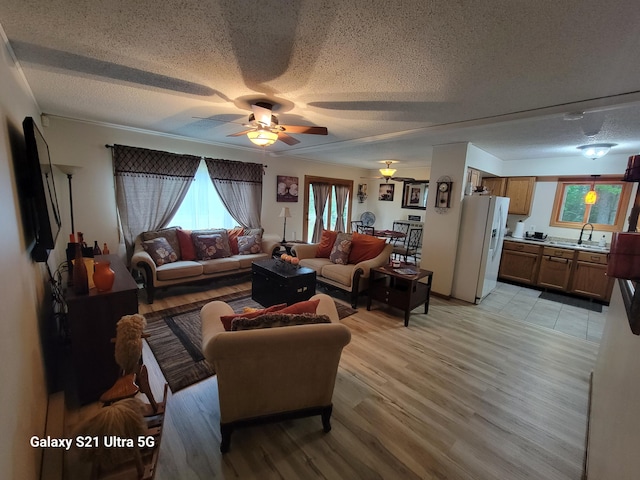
{"points": [[574, 302], [176, 337]]}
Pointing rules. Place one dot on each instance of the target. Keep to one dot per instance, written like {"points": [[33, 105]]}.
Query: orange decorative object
{"points": [[103, 277], [295, 260]]}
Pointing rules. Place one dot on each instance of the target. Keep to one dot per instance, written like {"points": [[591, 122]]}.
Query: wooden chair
{"points": [[365, 230], [355, 224], [412, 245]]}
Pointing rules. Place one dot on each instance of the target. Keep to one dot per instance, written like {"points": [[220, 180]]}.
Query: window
{"points": [[607, 214], [330, 212], [202, 207]]}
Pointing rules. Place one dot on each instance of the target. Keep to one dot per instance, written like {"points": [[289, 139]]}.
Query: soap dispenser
{"points": [[602, 242]]}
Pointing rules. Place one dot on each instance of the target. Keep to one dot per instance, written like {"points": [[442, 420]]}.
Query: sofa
{"points": [[267, 374], [173, 256], [343, 260]]}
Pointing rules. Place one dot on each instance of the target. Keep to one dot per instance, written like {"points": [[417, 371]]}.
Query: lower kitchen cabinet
{"points": [[519, 262], [590, 276], [555, 268]]}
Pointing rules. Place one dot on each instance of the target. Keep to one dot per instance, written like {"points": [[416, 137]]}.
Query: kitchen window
{"points": [[607, 214]]}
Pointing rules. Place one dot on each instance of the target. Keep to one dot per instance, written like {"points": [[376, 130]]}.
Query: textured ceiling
{"points": [[389, 79]]}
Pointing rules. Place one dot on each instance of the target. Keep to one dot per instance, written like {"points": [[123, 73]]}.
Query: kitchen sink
{"points": [[581, 246]]}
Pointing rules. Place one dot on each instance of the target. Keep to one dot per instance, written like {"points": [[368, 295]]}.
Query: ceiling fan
{"points": [[388, 173], [265, 129]]}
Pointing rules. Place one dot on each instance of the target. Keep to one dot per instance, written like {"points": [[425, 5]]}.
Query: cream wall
{"points": [[83, 144], [23, 296]]}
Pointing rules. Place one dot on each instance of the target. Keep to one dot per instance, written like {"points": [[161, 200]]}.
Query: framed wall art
{"points": [[385, 192], [414, 194], [287, 188]]}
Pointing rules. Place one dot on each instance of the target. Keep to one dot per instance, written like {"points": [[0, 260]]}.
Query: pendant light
{"points": [[591, 196]]}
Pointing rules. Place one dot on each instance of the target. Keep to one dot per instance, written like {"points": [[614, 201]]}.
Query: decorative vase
{"points": [[104, 276]]}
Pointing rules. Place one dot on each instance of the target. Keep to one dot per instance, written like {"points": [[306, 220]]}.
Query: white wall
{"points": [[614, 431], [23, 296]]}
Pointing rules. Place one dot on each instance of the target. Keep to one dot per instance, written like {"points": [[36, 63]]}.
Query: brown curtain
{"points": [[150, 185], [239, 185], [320, 195], [342, 195]]}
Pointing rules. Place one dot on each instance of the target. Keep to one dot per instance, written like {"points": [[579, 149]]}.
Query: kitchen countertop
{"points": [[560, 243]]}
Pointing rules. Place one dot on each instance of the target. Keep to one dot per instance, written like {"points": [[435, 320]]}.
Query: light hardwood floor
{"points": [[462, 393]]}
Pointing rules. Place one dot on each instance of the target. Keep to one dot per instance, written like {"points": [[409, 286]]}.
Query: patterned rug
{"points": [[176, 336]]}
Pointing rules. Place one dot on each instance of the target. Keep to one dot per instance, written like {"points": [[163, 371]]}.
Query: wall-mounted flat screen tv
{"points": [[39, 199]]}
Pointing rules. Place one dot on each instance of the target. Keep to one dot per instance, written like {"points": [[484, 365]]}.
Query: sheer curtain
{"points": [[150, 186], [202, 207], [239, 185], [342, 195], [320, 194]]}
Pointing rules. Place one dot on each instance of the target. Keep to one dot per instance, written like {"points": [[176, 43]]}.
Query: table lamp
{"points": [[284, 213]]}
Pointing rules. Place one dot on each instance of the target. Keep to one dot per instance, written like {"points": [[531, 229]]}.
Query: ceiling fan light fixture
{"points": [[595, 150], [262, 137]]}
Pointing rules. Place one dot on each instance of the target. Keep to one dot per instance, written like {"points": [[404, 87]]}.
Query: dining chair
{"points": [[402, 227], [365, 230], [355, 224], [412, 245]]}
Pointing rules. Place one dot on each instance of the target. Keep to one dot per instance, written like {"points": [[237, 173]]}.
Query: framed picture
{"points": [[414, 194], [287, 188], [385, 192]]}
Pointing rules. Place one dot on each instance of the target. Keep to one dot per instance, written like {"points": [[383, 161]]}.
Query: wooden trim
{"points": [[621, 213], [631, 300]]}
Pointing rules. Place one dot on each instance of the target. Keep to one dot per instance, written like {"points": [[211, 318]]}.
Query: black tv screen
{"points": [[39, 199]]}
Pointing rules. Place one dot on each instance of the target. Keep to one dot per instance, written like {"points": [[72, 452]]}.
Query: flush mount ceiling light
{"points": [[388, 171], [596, 150], [262, 137]]}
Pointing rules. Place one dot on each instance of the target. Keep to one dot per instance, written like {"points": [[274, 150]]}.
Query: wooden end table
{"points": [[400, 287]]}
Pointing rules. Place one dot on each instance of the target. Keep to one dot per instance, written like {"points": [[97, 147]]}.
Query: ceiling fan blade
{"points": [[261, 114], [304, 129], [289, 140], [239, 134], [403, 179]]}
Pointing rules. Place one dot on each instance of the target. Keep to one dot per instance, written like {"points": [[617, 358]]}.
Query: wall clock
{"points": [[443, 192]]}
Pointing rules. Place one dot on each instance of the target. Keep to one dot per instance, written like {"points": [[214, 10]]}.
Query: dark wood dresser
{"points": [[92, 324]]}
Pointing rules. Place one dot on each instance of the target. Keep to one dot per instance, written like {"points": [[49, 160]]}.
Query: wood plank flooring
{"points": [[462, 393]]}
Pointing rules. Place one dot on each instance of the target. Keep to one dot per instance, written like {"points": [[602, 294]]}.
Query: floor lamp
{"points": [[284, 213], [69, 170]]}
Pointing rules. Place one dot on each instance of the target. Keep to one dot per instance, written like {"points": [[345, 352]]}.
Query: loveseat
{"points": [[273, 373], [173, 256], [344, 260]]}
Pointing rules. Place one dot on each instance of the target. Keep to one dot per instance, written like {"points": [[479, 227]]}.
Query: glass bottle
{"points": [[96, 248], [105, 249]]}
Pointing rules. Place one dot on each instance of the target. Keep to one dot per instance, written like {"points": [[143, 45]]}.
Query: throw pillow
{"points": [[327, 240], [340, 251], [365, 247], [233, 235], [227, 319], [211, 246], [187, 250], [249, 244], [169, 233], [272, 320], [160, 250], [306, 306]]}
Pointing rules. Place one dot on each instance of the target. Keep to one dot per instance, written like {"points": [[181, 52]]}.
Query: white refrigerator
{"points": [[480, 239]]}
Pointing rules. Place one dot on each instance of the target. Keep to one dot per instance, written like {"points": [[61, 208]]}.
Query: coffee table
{"points": [[274, 281]]}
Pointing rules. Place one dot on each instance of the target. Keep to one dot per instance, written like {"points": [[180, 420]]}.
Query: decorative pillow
{"points": [[211, 246], [365, 247], [227, 319], [249, 244], [160, 250], [254, 231], [233, 235], [327, 240], [340, 251], [306, 306], [187, 250], [169, 233], [271, 320]]}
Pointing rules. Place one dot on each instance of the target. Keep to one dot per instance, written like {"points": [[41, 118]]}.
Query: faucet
{"points": [[582, 231]]}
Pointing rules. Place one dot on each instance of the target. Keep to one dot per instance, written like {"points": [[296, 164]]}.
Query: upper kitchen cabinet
{"points": [[518, 189], [520, 193]]}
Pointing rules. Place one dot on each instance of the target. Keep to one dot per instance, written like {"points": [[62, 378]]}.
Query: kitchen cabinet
{"points": [[590, 276], [519, 262], [495, 185], [520, 193], [555, 268], [519, 190]]}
